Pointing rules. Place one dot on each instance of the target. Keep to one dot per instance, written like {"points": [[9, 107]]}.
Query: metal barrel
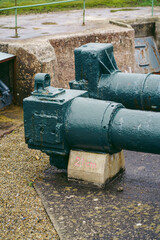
{"points": [[135, 91], [108, 127], [136, 130], [97, 72]]}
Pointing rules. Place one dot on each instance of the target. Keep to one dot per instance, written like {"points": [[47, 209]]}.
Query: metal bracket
{"points": [[5, 96], [42, 86]]}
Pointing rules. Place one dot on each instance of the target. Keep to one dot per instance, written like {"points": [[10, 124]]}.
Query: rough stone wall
{"points": [[123, 42], [157, 34], [4, 47], [146, 27], [55, 55], [31, 58]]}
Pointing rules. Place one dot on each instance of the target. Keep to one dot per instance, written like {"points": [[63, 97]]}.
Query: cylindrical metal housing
{"points": [[108, 127], [135, 91], [97, 72], [136, 130], [87, 123]]}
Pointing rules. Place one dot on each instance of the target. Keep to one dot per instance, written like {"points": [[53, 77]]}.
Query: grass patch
{"points": [[15, 36], [124, 9], [36, 28], [12, 27], [49, 23], [71, 5]]}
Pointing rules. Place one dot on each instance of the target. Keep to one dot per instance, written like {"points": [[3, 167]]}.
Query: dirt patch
{"points": [[49, 23], [22, 213], [11, 117]]}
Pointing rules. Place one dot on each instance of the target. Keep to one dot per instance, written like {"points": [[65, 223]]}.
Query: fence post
{"points": [[83, 12], [152, 7], [16, 32]]}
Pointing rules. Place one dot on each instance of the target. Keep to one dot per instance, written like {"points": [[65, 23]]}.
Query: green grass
{"points": [[49, 23], [123, 9], [72, 5]]}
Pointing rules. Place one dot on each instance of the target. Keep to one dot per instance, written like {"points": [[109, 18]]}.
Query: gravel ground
{"points": [[21, 211]]}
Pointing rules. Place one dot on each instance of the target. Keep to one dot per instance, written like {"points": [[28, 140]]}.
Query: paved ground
{"points": [[57, 23], [129, 208]]}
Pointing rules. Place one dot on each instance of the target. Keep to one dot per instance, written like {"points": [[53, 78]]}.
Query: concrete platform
{"points": [[66, 22], [128, 208]]}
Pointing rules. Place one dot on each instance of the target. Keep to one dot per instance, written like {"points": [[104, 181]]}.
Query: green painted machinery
{"points": [[58, 120], [97, 72]]}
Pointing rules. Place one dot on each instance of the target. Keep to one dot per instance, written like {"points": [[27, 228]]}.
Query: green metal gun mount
{"points": [[97, 73], [58, 120]]}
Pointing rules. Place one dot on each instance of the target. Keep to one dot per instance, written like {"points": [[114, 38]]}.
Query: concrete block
{"points": [[32, 57], [157, 28], [96, 168]]}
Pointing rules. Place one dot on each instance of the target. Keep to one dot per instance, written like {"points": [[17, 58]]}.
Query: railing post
{"points": [[152, 7], [83, 12], [43, 4], [16, 32]]}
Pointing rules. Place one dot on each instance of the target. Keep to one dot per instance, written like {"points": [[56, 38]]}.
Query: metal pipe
{"points": [[16, 33], [37, 5], [16, 30], [134, 91], [83, 12], [136, 130], [152, 7], [96, 125]]}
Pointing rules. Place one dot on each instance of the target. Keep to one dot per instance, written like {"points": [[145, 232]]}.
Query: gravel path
{"points": [[21, 211]]}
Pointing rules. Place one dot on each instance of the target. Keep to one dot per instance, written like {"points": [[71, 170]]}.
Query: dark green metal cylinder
{"points": [[108, 127], [97, 72], [136, 130], [135, 91], [87, 123]]}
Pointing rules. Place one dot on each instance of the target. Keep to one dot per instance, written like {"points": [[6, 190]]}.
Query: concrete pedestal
{"points": [[95, 168]]}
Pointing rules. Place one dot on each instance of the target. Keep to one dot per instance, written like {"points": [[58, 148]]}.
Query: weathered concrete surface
{"points": [[121, 38], [31, 58], [144, 27], [57, 36], [35, 25], [157, 34], [96, 168], [55, 55], [129, 208], [11, 117]]}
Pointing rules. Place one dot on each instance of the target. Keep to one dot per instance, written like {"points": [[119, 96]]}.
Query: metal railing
{"points": [[152, 7], [38, 5]]}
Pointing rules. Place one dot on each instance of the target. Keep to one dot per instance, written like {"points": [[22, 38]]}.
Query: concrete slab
{"points": [[128, 208], [66, 22], [11, 117]]}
